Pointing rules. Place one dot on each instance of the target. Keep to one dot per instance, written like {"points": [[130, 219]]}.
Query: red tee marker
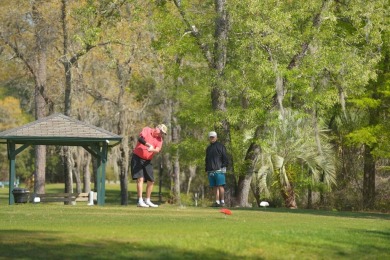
{"points": [[225, 211]]}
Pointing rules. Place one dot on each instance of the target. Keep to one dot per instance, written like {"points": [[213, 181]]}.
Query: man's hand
{"points": [[150, 148]]}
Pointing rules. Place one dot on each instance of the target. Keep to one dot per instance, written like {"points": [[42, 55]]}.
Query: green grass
{"points": [[52, 231]]}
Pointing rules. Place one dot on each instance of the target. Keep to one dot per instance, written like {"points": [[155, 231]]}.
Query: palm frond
{"points": [[293, 141]]}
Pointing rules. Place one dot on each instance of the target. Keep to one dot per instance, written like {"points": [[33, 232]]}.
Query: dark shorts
{"points": [[216, 179], [141, 168]]}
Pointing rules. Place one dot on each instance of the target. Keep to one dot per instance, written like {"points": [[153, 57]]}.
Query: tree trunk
{"points": [[67, 168], [68, 176], [244, 181], [40, 150], [309, 198], [288, 194], [176, 179], [123, 73], [87, 172], [40, 87], [76, 174], [221, 36], [256, 191], [40, 164], [123, 164], [66, 63], [176, 164], [368, 179], [287, 190], [369, 162], [68, 171], [95, 169], [319, 148], [192, 170], [67, 104], [218, 94], [169, 171], [78, 156]]}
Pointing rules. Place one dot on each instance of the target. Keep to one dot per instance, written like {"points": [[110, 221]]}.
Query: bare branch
{"points": [[17, 53], [98, 96]]}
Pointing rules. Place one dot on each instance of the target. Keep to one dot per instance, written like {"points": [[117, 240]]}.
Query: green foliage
{"points": [[366, 135], [141, 86], [110, 174], [192, 150], [11, 116], [54, 165], [365, 102], [93, 17]]}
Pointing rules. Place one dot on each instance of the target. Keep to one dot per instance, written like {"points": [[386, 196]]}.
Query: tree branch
{"points": [[195, 33], [305, 46], [98, 96], [18, 54]]}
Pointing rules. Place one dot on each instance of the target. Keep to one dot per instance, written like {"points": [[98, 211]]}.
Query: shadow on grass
{"points": [[345, 214], [20, 244], [382, 234], [352, 249], [113, 197]]}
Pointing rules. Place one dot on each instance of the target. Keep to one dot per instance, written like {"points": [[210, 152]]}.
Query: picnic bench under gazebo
{"points": [[59, 129]]}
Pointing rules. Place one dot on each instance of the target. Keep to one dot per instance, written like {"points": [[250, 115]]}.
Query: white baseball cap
{"points": [[163, 128], [212, 134]]}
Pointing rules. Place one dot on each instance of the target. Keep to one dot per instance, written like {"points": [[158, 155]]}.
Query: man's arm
{"points": [[225, 161], [154, 149], [205, 160], [141, 139]]}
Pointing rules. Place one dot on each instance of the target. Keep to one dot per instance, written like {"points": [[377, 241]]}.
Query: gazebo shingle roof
{"points": [[58, 126]]}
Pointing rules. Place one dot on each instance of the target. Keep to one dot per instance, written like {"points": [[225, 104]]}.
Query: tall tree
{"points": [[215, 55], [29, 37], [87, 24]]}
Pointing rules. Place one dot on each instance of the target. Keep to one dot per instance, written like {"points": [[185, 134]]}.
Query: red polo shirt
{"points": [[142, 150]]}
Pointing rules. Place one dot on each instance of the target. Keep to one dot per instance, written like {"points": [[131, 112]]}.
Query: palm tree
{"points": [[290, 154]]}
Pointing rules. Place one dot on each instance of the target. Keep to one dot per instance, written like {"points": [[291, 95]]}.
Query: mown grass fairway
{"points": [[53, 231]]}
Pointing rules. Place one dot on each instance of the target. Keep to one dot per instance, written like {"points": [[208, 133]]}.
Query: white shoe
{"points": [[150, 204], [142, 204]]}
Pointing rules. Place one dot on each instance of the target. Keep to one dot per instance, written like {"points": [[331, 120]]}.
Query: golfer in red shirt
{"points": [[149, 143]]}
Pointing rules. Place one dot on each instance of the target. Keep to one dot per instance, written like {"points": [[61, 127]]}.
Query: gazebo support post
{"points": [[100, 185], [103, 179], [100, 152], [11, 157], [12, 152]]}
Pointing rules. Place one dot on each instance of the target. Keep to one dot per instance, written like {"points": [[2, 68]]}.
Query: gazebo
{"points": [[59, 129]]}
